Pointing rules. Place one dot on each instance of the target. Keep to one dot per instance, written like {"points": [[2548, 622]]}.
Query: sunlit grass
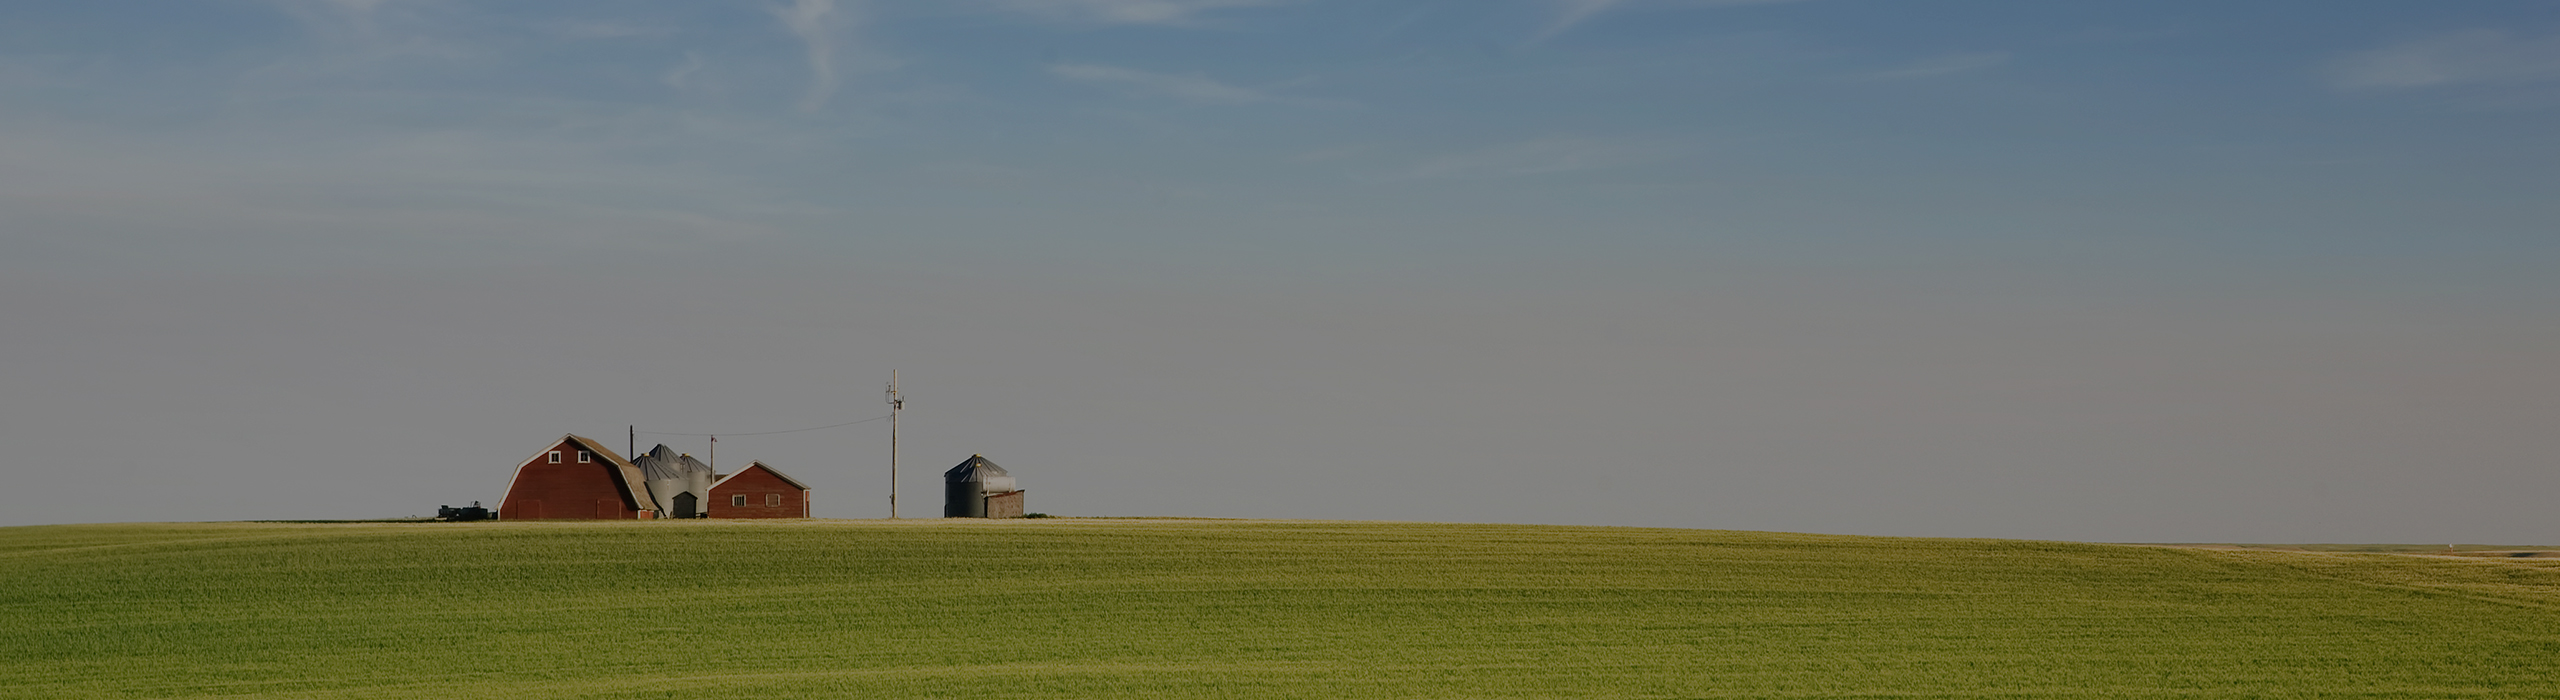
{"points": [[1178, 608]]}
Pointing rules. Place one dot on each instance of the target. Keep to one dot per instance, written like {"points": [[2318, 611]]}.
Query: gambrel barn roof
{"points": [[626, 476]]}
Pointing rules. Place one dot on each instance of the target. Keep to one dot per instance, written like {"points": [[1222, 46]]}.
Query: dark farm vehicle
{"points": [[464, 515]]}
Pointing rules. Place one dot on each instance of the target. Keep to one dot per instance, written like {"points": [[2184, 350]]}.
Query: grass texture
{"points": [[1083, 608]]}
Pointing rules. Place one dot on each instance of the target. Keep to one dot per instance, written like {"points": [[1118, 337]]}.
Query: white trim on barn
{"points": [[623, 473]]}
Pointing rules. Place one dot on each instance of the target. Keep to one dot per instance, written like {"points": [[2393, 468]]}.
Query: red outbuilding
{"points": [[759, 491], [577, 479]]}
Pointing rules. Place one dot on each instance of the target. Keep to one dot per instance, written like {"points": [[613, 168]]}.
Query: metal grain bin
{"points": [[670, 476], [698, 478], [965, 488]]}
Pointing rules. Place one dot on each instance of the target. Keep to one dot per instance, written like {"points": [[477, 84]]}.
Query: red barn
{"points": [[577, 479], [759, 491]]}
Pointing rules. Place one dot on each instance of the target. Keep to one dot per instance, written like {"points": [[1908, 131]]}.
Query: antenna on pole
{"points": [[896, 404]]}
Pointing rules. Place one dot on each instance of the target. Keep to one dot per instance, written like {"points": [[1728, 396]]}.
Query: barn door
{"points": [[684, 505]]}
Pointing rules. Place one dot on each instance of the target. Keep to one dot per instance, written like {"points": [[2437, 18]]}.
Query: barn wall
{"points": [[755, 484], [566, 491], [1004, 505]]}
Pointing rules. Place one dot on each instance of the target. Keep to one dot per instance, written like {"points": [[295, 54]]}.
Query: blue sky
{"points": [[1768, 129], [2083, 270]]}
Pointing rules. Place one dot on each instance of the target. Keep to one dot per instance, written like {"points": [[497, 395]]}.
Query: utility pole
{"points": [[631, 445], [896, 403], [715, 453]]}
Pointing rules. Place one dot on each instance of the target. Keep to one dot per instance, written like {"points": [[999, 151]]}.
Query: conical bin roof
{"points": [[663, 463], [975, 468], [658, 463]]}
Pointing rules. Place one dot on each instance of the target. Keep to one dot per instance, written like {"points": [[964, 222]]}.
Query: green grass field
{"points": [[1075, 608]]}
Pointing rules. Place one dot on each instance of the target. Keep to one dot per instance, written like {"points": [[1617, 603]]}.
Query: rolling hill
{"points": [[1138, 608]]}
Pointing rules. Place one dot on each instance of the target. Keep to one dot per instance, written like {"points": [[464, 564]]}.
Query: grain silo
{"points": [[979, 489], [698, 478], [677, 482]]}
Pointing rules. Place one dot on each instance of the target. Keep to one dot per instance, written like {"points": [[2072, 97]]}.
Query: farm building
{"points": [[759, 491], [679, 484], [979, 489], [577, 479]]}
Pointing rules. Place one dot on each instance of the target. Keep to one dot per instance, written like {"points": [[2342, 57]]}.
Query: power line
{"points": [[770, 432]]}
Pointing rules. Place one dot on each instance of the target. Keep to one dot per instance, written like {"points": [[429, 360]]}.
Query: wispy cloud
{"points": [[1574, 12], [1329, 154], [42, 71], [2478, 56], [460, 192], [1539, 157], [1192, 87], [682, 76], [1942, 65], [1163, 12], [815, 23], [369, 38], [337, 20], [612, 29]]}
